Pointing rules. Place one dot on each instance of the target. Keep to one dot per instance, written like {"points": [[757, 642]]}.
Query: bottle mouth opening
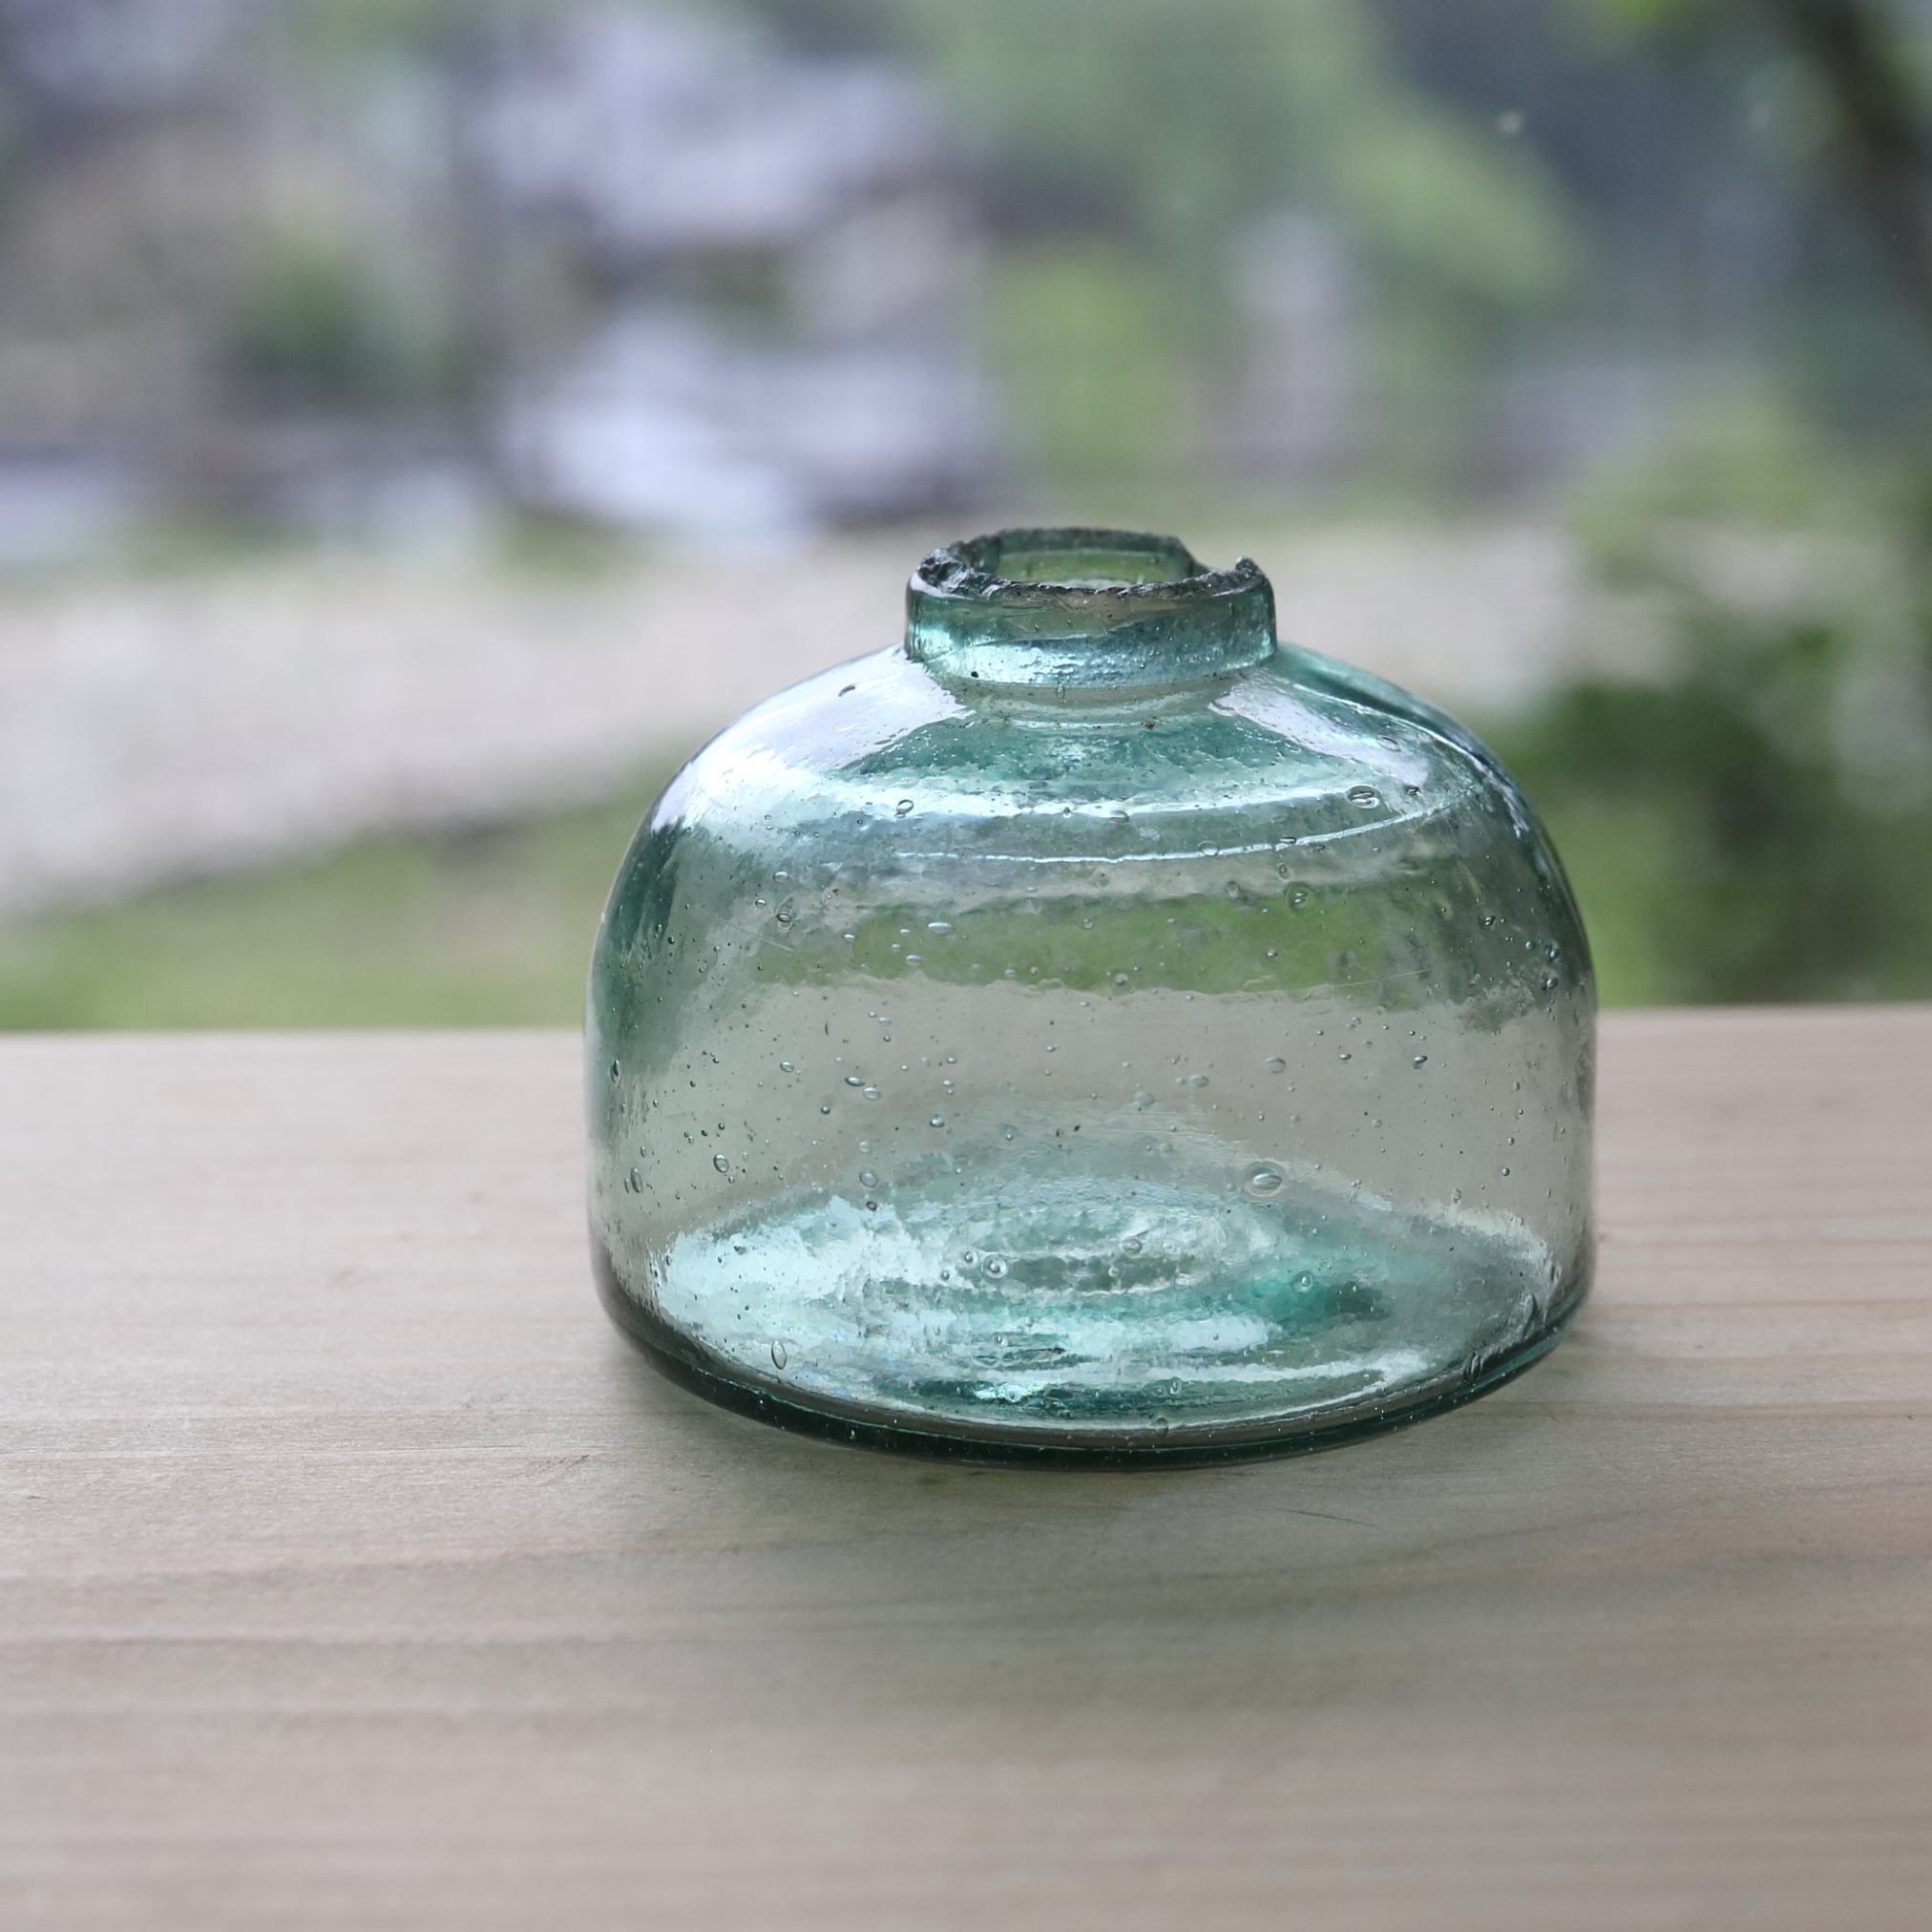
{"points": [[1072, 608], [1075, 560]]}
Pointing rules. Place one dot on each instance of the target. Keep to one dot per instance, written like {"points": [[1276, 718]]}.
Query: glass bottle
{"points": [[1091, 1031]]}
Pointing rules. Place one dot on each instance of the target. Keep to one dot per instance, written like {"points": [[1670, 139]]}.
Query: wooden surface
{"points": [[354, 1572]]}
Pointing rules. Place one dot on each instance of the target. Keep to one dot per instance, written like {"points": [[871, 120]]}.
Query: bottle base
{"points": [[1043, 1445]]}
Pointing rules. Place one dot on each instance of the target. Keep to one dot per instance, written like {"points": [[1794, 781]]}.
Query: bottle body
{"points": [[1176, 1073]]}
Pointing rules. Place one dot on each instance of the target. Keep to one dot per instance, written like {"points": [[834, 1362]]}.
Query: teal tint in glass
{"points": [[1091, 1032]]}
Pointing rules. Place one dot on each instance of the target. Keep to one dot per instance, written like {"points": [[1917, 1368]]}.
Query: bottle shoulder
{"points": [[1298, 748], [876, 796]]}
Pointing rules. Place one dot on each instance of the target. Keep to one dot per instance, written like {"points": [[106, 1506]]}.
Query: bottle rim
{"points": [[1077, 606]]}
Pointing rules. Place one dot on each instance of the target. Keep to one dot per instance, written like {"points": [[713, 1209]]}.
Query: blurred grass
{"points": [[481, 928]]}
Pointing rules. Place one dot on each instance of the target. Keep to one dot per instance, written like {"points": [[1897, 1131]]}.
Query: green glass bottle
{"points": [[1091, 1032]]}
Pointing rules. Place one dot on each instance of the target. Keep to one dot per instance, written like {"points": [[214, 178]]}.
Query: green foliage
{"points": [[1642, 17], [1088, 344], [1154, 133], [1759, 826], [1437, 194], [1749, 460], [316, 326], [1182, 120]]}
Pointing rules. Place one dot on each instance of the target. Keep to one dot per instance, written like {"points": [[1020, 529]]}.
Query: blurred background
{"points": [[423, 422]]}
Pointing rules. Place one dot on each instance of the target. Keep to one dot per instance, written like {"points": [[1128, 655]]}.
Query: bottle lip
{"points": [[1076, 607]]}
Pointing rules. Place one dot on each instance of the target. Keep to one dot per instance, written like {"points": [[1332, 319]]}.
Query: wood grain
{"points": [[354, 1572]]}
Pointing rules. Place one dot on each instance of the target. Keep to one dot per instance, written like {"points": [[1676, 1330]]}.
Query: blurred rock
{"points": [[765, 261]]}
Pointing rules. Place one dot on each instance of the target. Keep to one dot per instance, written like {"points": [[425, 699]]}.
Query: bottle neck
{"points": [[1084, 612]]}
